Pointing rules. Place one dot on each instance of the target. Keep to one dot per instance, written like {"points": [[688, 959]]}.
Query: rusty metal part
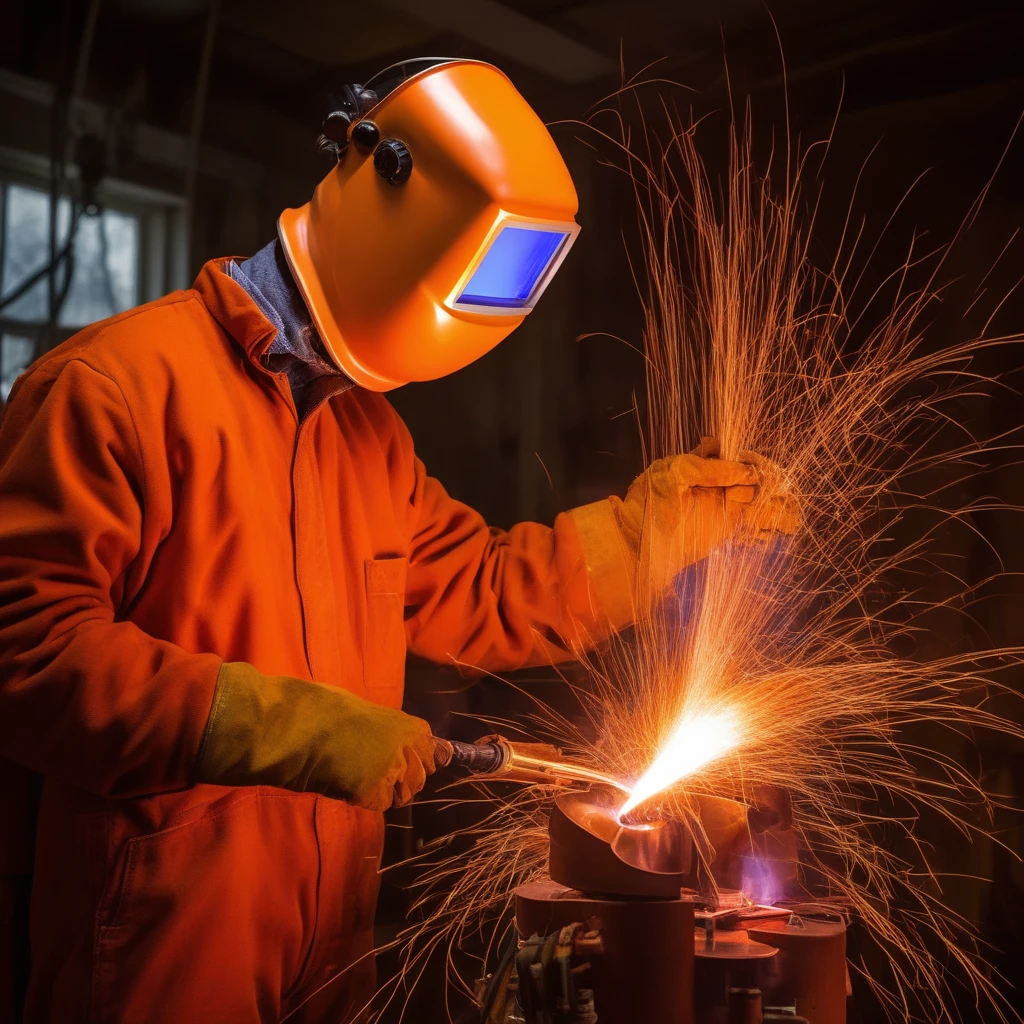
{"points": [[590, 850], [547, 970], [588, 943], [646, 970]]}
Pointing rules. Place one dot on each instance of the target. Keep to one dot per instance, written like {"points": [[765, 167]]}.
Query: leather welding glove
{"points": [[695, 501], [280, 731], [675, 514], [687, 505], [774, 510]]}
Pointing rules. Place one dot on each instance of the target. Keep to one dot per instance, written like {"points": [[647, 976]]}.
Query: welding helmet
{"points": [[446, 215]]}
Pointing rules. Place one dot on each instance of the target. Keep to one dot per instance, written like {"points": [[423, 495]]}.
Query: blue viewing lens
{"points": [[515, 262]]}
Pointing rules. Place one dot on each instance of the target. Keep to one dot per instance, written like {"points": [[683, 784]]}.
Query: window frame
{"points": [[163, 238]]}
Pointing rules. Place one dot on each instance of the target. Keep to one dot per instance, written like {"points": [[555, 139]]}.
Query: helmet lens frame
{"points": [[513, 266]]}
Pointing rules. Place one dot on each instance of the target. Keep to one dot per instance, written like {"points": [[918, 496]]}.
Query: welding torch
{"points": [[498, 759]]}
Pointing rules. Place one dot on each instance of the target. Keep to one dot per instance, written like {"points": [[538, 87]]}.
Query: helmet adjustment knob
{"points": [[393, 161], [335, 126], [365, 134], [334, 134]]}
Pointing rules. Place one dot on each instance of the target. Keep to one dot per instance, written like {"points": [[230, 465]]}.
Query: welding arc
{"points": [[646, 814]]}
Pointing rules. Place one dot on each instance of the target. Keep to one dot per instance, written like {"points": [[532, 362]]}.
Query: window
{"points": [[16, 352], [118, 258]]}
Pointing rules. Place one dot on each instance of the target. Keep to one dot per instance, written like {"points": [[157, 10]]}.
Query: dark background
{"points": [[543, 422]]}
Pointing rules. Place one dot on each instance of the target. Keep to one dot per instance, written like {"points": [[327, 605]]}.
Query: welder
{"points": [[217, 545]]}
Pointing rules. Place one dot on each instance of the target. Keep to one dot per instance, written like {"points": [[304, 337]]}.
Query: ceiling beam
{"points": [[505, 31], [148, 144]]}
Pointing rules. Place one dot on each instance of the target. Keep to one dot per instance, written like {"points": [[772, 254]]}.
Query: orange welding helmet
{"points": [[447, 214]]}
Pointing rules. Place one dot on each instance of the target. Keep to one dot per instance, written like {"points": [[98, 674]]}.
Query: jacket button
{"points": [[393, 161]]}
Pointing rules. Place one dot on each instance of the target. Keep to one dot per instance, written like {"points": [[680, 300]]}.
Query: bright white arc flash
{"points": [[696, 741]]}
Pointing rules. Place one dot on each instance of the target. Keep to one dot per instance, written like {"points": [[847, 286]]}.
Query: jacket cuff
{"points": [[611, 564]]}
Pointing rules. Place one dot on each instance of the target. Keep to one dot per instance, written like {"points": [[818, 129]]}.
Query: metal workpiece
{"points": [[589, 850], [630, 885], [635, 955]]}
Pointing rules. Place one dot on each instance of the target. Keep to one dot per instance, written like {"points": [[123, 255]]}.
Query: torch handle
{"points": [[512, 761], [443, 752], [479, 758]]}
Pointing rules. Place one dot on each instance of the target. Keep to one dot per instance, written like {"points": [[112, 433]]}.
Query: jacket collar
{"points": [[232, 307]]}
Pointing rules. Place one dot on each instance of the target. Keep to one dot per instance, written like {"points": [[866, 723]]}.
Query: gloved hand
{"points": [[699, 500], [280, 731], [681, 508], [675, 514]]}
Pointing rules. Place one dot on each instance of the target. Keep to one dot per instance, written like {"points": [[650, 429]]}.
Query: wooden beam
{"points": [[514, 35]]}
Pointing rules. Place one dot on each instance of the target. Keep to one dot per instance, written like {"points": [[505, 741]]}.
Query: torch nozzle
{"points": [[511, 761]]}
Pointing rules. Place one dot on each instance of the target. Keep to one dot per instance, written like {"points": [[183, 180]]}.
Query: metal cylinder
{"points": [[645, 969], [744, 1006], [810, 970]]}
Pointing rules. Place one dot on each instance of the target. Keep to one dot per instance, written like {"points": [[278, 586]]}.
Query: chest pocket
{"points": [[384, 642]]}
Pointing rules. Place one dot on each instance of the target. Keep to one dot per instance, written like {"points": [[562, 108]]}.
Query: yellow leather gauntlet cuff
{"points": [[291, 733], [611, 563]]}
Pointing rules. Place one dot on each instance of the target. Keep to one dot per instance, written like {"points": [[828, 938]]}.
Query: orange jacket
{"points": [[161, 511]]}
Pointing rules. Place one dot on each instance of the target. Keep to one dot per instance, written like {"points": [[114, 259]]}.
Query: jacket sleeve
{"points": [[493, 600], [85, 697]]}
